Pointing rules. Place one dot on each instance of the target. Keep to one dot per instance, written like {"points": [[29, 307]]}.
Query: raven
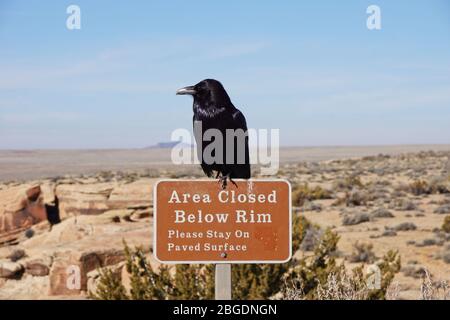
{"points": [[213, 109]]}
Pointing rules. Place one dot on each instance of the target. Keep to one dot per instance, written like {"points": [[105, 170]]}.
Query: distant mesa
{"points": [[170, 144]]}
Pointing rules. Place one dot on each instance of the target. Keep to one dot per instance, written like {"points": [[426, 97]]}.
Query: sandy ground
{"points": [[385, 175]]}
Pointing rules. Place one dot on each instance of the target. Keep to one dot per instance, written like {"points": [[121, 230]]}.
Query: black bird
{"points": [[213, 108]]}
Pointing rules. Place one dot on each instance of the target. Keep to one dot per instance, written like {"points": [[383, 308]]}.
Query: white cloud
{"points": [[106, 70]]}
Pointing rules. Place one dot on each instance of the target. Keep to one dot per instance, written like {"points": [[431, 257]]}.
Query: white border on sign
{"points": [[155, 214]]}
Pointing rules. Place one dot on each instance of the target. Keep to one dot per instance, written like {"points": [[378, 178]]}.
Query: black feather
{"points": [[213, 107]]}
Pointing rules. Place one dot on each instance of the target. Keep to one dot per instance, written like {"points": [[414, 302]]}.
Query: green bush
{"points": [[446, 224], [189, 281], [250, 281], [303, 192], [261, 281], [389, 266], [315, 269], [110, 287]]}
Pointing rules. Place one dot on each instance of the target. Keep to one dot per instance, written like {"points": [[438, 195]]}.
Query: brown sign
{"points": [[195, 221]]}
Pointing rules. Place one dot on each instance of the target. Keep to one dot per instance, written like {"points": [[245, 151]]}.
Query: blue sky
{"points": [[312, 70]]}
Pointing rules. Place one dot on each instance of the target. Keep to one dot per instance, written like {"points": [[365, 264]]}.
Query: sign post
{"points": [[223, 281], [196, 221]]}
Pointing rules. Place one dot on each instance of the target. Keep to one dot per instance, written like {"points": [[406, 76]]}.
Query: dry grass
{"points": [[434, 290], [336, 287], [343, 287]]}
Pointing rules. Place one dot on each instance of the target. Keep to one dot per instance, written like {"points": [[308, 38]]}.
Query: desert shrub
{"points": [[381, 213], [194, 282], [311, 239], [389, 266], [362, 252], [300, 226], [419, 215], [419, 187], [414, 271], [311, 206], [444, 209], [316, 268], [315, 274], [189, 281], [446, 255], [257, 281], [388, 232], [354, 198], [429, 242], [402, 204], [105, 176], [151, 173], [110, 287], [355, 218], [446, 200], [348, 183], [434, 290], [446, 224], [439, 185], [304, 193], [405, 226], [321, 278], [261, 281], [435, 186], [341, 286], [250, 281]]}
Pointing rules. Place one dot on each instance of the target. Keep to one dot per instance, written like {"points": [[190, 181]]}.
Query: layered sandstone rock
{"points": [[63, 261], [39, 266], [68, 275], [21, 207], [10, 270], [97, 198], [25, 205]]}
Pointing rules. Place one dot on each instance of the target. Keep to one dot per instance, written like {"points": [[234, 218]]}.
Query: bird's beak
{"points": [[187, 90]]}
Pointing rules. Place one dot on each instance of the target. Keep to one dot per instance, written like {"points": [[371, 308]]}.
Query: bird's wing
{"points": [[239, 120], [241, 170]]}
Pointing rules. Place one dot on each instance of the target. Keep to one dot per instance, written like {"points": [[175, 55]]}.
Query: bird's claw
{"points": [[223, 180]]}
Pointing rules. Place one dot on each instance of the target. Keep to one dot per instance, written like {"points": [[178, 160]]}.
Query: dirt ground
{"points": [[391, 197]]}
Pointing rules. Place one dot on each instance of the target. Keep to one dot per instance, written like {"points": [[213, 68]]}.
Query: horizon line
{"points": [[282, 146]]}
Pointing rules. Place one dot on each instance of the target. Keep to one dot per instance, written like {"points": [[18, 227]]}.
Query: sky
{"points": [[311, 69]]}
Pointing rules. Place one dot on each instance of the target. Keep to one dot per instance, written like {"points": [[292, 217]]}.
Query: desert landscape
{"points": [[71, 210]]}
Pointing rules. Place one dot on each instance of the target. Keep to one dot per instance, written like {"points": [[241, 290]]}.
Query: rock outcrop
{"points": [[25, 205], [61, 260], [97, 198], [21, 207], [10, 270]]}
